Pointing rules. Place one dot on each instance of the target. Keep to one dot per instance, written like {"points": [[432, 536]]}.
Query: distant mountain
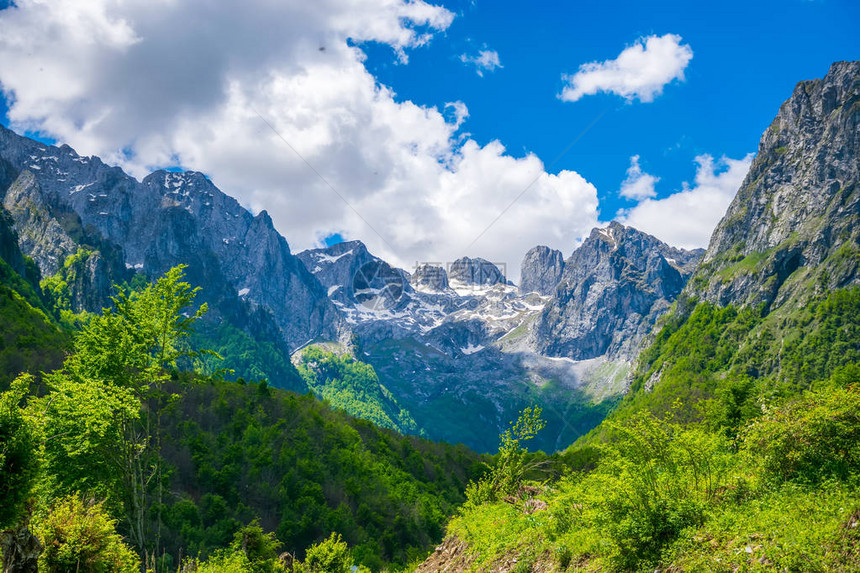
{"points": [[541, 270], [462, 344], [458, 349], [262, 297], [611, 291]]}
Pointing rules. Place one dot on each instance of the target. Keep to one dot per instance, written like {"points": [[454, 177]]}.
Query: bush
{"points": [[18, 453], [808, 439], [81, 537], [260, 548], [331, 555], [512, 463], [654, 480]]}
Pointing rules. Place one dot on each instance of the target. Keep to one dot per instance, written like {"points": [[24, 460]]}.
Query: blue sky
{"points": [[748, 56], [367, 94]]}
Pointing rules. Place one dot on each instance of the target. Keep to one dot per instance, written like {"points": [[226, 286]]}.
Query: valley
{"points": [[225, 402]]}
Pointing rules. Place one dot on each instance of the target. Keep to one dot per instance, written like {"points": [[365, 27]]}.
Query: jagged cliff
{"points": [[61, 201], [611, 291], [541, 270], [792, 229]]}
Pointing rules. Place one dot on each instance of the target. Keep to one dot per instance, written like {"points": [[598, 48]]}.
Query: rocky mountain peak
{"points": [[541, 270], [611, 291], [475, 272], [61, 201], [429, 277], [797, 210]]}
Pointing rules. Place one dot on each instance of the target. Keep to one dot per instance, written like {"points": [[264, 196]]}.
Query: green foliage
{"points": [[102, 415], [724, 364], [737, 449], [353, 387], [260, 548], [19, 463], [81, 537], [810, 439], [219, 562], [241, 452], [512, 464], [244, 355], [29, 339], [656, 478], [331, 555], [667, 496], [790, 528]]}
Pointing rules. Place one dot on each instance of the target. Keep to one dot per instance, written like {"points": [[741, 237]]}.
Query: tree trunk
{"points": [[21, 550]]}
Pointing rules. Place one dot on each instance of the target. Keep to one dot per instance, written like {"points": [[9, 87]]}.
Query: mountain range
{"points": [[451, 342]]}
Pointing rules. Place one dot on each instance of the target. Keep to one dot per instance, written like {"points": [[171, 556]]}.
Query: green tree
{"points": [[260, 548], [19, 464], [332, 555], [106, 403], [512, 463], [81, 537]]}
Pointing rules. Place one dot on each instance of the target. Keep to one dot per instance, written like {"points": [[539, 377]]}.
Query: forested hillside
{"points": [[118, 440]]}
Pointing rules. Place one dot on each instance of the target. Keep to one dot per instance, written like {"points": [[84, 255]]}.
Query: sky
{"points": [[429, 130]]}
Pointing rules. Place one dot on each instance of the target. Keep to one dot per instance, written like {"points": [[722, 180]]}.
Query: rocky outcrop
{"points": [[429, 278], [475, 272], [612, 290], [40, 234], [61, 201], [351, 275], [792, 231], [541, 270]]}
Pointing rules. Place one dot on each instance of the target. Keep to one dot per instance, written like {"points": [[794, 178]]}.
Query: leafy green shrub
{"points": [[259, 547], [18, 453], [655, 480], [809, 439], [81, 537], [331, 555], [512, 463], [220, 562]]}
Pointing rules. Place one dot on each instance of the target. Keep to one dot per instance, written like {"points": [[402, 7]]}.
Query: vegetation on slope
{"points": [[736, 449], [30, 339], [782, 496], [353, 386], [183, 465]]}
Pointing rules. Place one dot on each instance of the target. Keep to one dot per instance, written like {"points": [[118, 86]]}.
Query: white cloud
{"points": [[484, 61], [641, 71], [687, 218], [147, 83], [638, 185]]}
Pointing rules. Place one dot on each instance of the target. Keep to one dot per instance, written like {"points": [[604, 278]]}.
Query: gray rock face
{"points": [[792, 230], [475, 272], [60, 200], [352, 275], [429, 277], [541, 270], [40, 235], [612, 290]]}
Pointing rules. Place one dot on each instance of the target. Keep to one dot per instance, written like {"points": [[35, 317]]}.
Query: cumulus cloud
{"points": [[484, 61], [640, 72], [146, 83], [638, 185], [687, 218]]}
